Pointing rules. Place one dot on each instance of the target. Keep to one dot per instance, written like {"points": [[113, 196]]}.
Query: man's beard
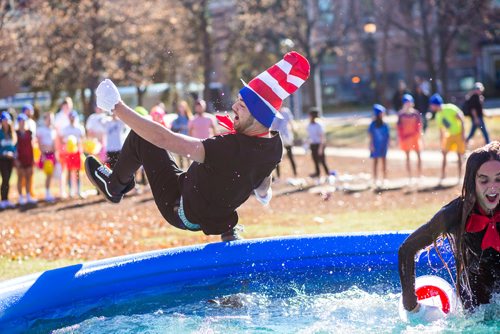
{"points": [[242, 126]]}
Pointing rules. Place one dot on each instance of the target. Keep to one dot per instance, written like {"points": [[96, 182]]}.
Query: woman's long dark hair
{"points": [[474, 162], [9, 132]]}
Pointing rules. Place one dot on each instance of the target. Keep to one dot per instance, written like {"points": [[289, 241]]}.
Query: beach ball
{"points": [[72, 144], [433, 291], [48, 167]]}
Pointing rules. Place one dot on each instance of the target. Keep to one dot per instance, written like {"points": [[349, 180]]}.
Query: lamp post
{"points": [[370, 28]]}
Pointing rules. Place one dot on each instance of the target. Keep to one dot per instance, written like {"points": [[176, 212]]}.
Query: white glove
{"points": [[425, 314], [107, 95], [266, 199]]}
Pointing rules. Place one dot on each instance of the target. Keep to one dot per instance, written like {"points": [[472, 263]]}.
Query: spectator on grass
{"points": [[157, 114], [72, 136], [180, 124], [116, 131], [29, 111], [203, 125], [410, 134], [285, 127], [421, 104], [96, 130], [379, 136], [475, 105], [450, 121], [397, 98], [46, 136], [317, 143], [61, 121], [8, 140], [24, 160]]}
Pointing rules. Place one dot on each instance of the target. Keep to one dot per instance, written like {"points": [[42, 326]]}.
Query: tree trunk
{"points": [[312, 89], [427, 42], [140, 95], [55, 93], [384, 81], [207, 53]]}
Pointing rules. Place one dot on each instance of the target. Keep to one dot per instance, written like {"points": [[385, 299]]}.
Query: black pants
{"points": [[112, 158], [161, 170], [318, 159], [6, 166], [289, 154]]}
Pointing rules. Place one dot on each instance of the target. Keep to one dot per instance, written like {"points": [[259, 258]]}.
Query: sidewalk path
{"points": [[428, 156], [364, 118]]}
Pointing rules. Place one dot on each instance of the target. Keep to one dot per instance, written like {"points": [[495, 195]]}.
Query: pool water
{"points": [[298, 302]]}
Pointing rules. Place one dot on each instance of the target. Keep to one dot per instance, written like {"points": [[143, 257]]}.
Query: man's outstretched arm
{"points": [[108, 98], [159, 135]]}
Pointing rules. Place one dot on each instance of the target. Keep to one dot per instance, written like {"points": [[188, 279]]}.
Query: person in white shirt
{"points": [[96, 129], [72, 137], [46, 136], [116, 132], [285, 127], [29, 110], [61, 121], [317, 143]]}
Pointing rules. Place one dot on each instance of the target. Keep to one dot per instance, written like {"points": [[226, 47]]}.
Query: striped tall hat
{"points": [[264, 94]]}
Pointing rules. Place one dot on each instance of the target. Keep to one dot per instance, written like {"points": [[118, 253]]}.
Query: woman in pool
{"points": [[472, 223]]}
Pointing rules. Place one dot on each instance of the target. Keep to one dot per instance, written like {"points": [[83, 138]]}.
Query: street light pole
{"points": [[370, 28]]}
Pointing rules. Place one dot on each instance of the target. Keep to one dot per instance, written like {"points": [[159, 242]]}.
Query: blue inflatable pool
{"points": [[54, 293]]}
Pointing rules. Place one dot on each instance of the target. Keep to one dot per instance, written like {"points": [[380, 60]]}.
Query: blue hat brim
{"points": [[258, 108]]}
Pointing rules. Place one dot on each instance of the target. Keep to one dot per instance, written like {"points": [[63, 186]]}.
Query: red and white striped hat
{"points": [[264, 94]]}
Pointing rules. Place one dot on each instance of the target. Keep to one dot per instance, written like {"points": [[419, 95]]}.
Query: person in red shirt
{"points": [[24, 160], [410, 134]]}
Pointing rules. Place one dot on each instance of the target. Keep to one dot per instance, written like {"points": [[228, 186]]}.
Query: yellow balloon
{"points": [[36, 153], [48, 167], [71, 144], [91, 146], [82, 165]]}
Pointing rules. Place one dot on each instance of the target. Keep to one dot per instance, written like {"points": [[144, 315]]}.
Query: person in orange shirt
{"points": [[410, 134]]}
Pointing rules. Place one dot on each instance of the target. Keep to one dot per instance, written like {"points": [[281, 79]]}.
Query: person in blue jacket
{"points": [[7, 156]]}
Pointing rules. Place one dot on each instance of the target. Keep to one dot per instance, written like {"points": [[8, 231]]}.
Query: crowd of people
{"points": [[57, 143], [413, 116], [118, 142]]}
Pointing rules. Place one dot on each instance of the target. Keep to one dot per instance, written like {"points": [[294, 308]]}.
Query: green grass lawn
{"points": [[307, 223], [349, 135], [10, 269], [354, 134]]}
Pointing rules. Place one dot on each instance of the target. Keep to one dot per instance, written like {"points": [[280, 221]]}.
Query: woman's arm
{"points": [[421, 238]]}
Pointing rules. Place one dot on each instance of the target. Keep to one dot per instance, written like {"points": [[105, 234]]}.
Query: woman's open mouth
{"points": [[492, 198]]}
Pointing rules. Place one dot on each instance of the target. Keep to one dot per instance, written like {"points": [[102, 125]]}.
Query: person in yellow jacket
{"points": [[450, 121]]}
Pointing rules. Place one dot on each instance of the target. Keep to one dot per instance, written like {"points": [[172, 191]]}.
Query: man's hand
{"points": [[107, 95], [264, 193]]}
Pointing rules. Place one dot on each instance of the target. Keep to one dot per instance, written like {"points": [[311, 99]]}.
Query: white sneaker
{"points": [[3, 205], [22, 200], [9, 204], [49, 198], [31, 200]]}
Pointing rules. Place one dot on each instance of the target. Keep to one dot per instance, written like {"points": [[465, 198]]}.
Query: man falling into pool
{"points": [[226, 169]]}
